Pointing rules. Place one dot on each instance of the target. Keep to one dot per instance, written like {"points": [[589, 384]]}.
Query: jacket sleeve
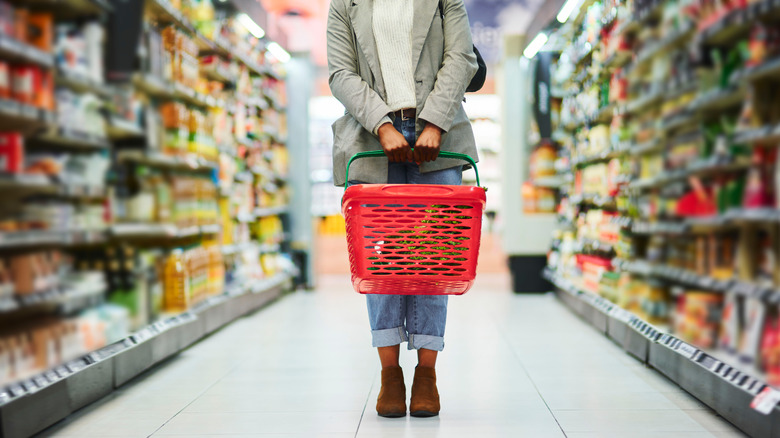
{"points": [[363, 103], [458, 67]]}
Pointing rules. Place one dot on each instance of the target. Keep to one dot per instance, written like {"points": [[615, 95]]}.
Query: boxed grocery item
{"points": [[698, 317], [11, 152]]}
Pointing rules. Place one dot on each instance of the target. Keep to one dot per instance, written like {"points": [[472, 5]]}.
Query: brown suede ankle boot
{"points": [[425, 396], [392, 397]]}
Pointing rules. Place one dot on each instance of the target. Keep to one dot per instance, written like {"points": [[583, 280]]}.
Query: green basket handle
{"points": [[442, 154]]}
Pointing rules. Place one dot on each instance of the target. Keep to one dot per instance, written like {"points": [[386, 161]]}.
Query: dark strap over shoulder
{"points": [[478, 81]]}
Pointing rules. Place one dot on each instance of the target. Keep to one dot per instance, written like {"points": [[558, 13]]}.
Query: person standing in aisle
{"points": [[401, 68]]}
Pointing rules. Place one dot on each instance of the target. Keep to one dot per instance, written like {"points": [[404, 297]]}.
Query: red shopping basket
{"points": [[413, 239]]}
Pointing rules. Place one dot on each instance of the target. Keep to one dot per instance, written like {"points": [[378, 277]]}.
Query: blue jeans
{"points": [[418, 319]]}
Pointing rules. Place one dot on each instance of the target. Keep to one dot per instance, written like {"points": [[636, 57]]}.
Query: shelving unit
{"points": [[110, 193], [668, 215], [31, 405]]}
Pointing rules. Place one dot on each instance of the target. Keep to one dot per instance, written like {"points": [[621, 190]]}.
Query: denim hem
{"points": [[428, 342], [388, 337]]}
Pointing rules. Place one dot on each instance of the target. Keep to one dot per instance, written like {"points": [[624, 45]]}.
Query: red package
{"points": [[23, 83], [11, 152]]}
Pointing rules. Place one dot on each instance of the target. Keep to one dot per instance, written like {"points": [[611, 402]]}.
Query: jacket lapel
{"points": [[424, 11], [361, 14]]}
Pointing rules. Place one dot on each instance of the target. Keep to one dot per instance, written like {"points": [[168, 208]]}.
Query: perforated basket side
{"points": [[413, 244]]}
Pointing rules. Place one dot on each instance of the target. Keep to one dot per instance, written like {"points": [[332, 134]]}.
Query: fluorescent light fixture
{"points": [[278, 52], [251, 26], [567, 9], [535, 45]]}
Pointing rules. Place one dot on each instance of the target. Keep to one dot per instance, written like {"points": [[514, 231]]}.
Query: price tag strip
{"points": [[686, 350], [766, 400]]}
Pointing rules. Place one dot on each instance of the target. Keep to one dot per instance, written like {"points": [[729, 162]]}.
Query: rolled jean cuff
{"points": [[388, 337], [428, 342]]}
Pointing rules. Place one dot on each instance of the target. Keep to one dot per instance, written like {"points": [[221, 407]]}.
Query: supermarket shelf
{"points": [[25, 185], [70, 9], [219, 75], [60, 136], [262, 248], [731, 27], [17, 116], [618, 59], [257, 102], [24, 239], [727, 390], [718, 99], [730, 219], [55, 394], [598, 158], [80, 83], [768, 68], [155, 159], [13, 50], [271, 211], [550, 182], [675, 275], [64, 300], [764, 134], [606, 202], [654, 97], [647, 147], [669, 42], [165, 12], [152, 231], [701, 168], [211, 229], [163, 89], [260, 213], [594, 245], [685, 118], [658, 227], [692, 279], [121, 129]]}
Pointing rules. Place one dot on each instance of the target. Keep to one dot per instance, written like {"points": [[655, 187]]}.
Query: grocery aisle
{"points": [[513, 366]]}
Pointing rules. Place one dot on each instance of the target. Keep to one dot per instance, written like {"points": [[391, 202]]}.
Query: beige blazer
{"points": [[444, 63]]}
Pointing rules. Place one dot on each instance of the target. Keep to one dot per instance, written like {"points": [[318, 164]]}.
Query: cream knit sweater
{"points": [[392, 24]]}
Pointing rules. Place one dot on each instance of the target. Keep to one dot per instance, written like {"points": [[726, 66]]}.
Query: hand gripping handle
{"points": [[442, 154]]}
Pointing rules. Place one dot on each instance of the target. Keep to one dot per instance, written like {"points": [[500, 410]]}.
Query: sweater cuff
{"points": [[385, 119]]}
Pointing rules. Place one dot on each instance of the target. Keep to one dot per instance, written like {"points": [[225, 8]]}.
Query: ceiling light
{"points": [[251, 26], [278, 52], [567, 9], [535, 45]]}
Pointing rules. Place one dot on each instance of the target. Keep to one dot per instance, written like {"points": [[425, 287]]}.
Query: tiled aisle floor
{"points": [[514, 366]]}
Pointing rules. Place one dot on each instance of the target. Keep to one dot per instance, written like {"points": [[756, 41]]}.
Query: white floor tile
{"points": [[215, 423], [514, 365], [627, 422]]}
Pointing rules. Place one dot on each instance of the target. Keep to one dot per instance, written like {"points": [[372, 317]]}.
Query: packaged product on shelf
{"points": [[698, 317], [542, 162], [754, 322], [11, 152], [731, 332], [216, 269], [40, 27], [592, 270], [655, 303], [767, 256], [176, 283], [770, 349], [46, 343]]}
